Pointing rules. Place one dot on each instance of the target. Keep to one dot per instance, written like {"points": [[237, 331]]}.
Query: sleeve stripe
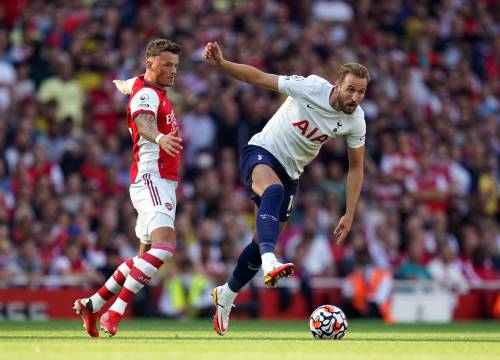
{"points": [[143, 112]]}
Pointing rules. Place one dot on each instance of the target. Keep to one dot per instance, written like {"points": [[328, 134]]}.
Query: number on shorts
{"points": [[290, 204]]}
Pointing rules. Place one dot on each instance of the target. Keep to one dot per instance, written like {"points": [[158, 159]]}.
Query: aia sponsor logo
{"points": [[311, 134], [169, 206]]}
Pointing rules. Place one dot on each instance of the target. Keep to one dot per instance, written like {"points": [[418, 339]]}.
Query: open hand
{"points": [[171, 143], [125, 86]]}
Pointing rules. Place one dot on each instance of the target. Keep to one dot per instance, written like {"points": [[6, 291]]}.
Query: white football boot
{"points": [[222, 311]]}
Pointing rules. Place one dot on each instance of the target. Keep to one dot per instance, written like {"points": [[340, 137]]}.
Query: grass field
{"points": [[257, 340]]}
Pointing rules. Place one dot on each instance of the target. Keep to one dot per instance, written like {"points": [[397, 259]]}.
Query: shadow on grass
{"points": [[218, 339]]}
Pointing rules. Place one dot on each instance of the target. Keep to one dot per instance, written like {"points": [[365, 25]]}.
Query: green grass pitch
{"points": [[256, 340]]}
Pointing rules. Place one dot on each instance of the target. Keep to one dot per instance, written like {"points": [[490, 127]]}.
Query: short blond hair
{"points": [[356, 69], [157, 46]]}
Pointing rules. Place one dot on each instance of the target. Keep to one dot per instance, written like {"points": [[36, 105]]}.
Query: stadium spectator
{"points": [[446, 269], [65, 90], [8, 76], [186, 292], [8, 266], [413, 267], [367, 289]]}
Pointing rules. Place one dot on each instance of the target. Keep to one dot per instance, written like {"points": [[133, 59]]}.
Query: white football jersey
{"points": [[305, 121]]}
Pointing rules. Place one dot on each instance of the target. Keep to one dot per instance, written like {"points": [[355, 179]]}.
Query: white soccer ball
{"points": [[328, 322]]}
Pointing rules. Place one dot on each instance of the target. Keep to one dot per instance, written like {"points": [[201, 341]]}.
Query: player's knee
{"points": [[264, 177], [276, 192], [163, 235]]}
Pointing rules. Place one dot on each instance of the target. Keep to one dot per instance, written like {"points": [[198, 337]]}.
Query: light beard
{"points": [[349, 113], [344, 108], [167, 85]]}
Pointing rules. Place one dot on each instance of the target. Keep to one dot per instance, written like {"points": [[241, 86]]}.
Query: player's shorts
{"points": [[155, 202], [252, 155]]}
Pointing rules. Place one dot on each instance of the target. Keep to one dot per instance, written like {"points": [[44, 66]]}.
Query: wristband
{"points": [[157, 139]]}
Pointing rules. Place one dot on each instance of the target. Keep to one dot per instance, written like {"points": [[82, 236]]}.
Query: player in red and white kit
{"points": [[153, 176]]}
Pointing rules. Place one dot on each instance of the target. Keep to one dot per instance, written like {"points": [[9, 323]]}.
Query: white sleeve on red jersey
{"points": [[146, 100]]}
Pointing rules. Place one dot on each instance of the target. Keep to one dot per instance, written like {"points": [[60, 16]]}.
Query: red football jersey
{"points": [[149, 157]]}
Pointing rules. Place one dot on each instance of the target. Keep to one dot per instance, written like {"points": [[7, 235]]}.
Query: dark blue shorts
{"points": [[252, 155]]}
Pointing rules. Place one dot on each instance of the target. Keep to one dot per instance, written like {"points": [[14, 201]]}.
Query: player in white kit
{"points": [[314, 112], [153, 177]]}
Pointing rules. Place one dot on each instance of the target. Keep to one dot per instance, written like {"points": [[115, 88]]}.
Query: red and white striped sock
{"points": [[112, 285], [143, 270]]}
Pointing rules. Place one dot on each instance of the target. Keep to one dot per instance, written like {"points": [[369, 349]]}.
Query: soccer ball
{"points": [[328, 322]]}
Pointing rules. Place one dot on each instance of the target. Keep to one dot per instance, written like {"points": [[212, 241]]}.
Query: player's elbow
{"points": [[142, 128]]}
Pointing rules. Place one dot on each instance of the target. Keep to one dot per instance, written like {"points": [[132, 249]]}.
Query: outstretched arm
{"points": [[242, 72], [354, 182], [125, 86], [146, 125]]}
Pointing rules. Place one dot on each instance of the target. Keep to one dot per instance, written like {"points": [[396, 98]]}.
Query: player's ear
{"points": [[149, 64]]}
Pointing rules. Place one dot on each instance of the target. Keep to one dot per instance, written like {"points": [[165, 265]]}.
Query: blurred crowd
{"points": [[430, 202]]}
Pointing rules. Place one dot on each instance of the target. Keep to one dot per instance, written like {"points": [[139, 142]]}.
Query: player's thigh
{"points": [[263, 176], [154, 227], [155, 202], [163, 234], [152, 194]]}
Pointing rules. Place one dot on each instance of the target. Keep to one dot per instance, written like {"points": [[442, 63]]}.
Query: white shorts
{"points": [[155, 202]]}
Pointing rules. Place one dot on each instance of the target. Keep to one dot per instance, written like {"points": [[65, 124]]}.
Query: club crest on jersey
{"points": [[169, 206], [311, 134], [295, 77]]}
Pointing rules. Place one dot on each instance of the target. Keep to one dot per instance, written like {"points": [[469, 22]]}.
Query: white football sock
{"points": [[268, 262], [227, 295]]}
